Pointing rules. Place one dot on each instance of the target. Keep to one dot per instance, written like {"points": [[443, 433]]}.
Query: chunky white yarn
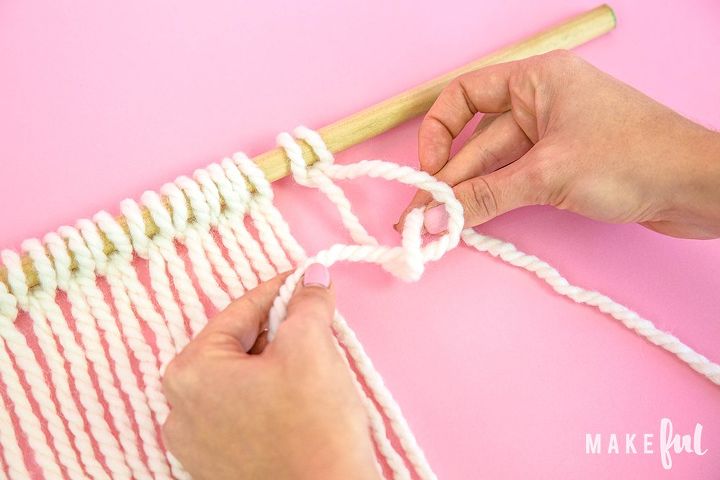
{"points": [[25, 359], [91, 343], [197, 240], [125, 339], [29, 423], [119, 348], [645, 328], [155, 409]]}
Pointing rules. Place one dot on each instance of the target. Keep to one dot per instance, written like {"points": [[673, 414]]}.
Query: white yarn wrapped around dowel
{"points": [[119, 353], [33, 374], [92, 344]]}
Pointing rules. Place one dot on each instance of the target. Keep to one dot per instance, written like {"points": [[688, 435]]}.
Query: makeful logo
{"points": [[668, 443]]}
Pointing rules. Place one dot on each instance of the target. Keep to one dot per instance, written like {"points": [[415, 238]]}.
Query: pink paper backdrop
{"points": [[499, 377]]}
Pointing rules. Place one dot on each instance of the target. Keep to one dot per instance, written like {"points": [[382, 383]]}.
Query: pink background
{"points": [[499, 377]]}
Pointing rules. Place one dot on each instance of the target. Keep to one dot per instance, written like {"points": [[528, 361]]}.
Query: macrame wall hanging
{"points": [[111, 301]]}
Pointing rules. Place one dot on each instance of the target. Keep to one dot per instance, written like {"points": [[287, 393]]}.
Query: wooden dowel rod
{"points": [[383, 116]]}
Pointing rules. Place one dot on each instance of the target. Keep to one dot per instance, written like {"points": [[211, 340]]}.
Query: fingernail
{"points": [[436, 219], [316, 275]]}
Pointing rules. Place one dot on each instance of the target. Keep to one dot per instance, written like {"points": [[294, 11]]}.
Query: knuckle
{"points": [[456, 84], [562, 62], [305, 324], [307, 327], [181, 377], [534, 178], [517, 85], [538, 179], [251, 306], [489, 159], [560, 57], [561, 54], [312, 294], [310, 301], [303, 342], [462, 87], [480, 200], [312, 297]]}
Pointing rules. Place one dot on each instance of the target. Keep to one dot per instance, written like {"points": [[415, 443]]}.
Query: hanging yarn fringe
{"points": [[98, 412]]}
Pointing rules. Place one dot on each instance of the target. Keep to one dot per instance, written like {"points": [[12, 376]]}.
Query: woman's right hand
{"points": [[558, 131]]}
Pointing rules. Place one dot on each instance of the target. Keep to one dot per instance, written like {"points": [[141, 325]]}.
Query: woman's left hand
{"points": [[245, 409]]}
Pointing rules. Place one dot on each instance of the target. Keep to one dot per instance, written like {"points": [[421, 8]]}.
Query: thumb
{"points": [[310, 311], [484, 197]]}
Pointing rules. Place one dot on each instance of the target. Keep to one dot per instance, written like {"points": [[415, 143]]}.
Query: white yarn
{"points": [[260, 210], [188, 295], [91, 342], [147, 362], [195, 240], [234, 213], [645, 328], [382, 395], [159, 280], [25, 359], [43, 298], [205, 197], [226, 260], [12, 460], [406, 262], [377, 424], [252, 248], [212, 195], [20, 406], [180, 218], [315, 178], [90, 293]]}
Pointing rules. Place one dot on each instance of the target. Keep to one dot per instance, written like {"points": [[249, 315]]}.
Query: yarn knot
{"points": [[409, 262], [304, 174]]}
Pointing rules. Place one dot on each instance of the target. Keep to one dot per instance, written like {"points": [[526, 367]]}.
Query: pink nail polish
{"points": [[436, 219], [316, 275]]}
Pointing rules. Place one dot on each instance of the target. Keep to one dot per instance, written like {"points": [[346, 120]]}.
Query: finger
{"points": [[486, 120], [313, 300], [484, 90], [499, 143], [524, 182], [309, 313], [260, 343], [243, 320]]}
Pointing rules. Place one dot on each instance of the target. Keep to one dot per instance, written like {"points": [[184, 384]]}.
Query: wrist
{"points": [[692, 184], [702, 201]]}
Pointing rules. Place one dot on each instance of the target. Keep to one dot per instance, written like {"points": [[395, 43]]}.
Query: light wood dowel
{"points": [[383, 116]]}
